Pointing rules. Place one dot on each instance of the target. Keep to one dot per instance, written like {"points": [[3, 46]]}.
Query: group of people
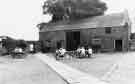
{"points": [[60, 52], [82, 52]]}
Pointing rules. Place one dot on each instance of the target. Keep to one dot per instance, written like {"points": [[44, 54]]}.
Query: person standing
{"points": [[31, 47], [57, 54]]}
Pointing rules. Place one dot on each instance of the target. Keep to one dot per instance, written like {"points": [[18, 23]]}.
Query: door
{"points": [[118, 45], [59, 44], [72, 40]]}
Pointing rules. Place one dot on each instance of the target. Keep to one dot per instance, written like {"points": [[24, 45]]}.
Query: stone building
{"points": [[103, 33]]}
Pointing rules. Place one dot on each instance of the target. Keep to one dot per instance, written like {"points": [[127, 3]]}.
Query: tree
{"points": [[9, 44], [21, 43], [73, 9]]}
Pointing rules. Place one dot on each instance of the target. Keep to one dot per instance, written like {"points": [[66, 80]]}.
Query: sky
{"points": [[18, 18]]}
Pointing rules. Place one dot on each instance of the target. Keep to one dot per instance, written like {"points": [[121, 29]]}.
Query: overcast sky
{"points": [[18, 18]]}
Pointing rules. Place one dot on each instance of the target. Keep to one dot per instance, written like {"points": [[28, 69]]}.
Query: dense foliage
{"points": [[73, 9], [10, 44]]}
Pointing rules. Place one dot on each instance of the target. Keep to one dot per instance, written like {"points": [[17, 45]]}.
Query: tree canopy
{"points": [[73, 9], [10, 44]]}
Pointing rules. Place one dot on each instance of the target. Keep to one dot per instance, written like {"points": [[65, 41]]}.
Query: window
{"points": [[108, 30], [126, 25], [96, 41]]}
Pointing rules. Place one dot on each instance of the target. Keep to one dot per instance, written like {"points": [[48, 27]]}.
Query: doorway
{"points": [[59, 45], [72, 40], [118, 45]]}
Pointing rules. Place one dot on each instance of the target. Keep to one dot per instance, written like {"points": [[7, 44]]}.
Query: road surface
{"points": [[29, 70]]}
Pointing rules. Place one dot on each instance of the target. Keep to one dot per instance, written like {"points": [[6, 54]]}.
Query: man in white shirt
{"points": [[31, 48]]}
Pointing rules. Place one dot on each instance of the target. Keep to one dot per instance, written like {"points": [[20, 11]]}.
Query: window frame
{"points": [[108, 30]]}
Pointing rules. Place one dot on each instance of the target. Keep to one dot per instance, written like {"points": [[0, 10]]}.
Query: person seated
{"points": [[57, 52], [89, 52], [18, 50], [82, 51], [78, 51], [62, 52]]}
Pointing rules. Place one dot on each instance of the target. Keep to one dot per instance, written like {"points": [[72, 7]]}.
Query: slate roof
{"points": [[111, 20]]}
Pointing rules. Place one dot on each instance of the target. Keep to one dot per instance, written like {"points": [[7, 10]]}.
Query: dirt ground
{"points": [[123, 71], [28, 70], [97, 66]]}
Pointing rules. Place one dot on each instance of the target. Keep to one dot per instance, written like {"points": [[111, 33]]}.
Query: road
{"points": [[29, 70]]}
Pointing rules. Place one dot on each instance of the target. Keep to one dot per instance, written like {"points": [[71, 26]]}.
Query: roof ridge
{"points": [[70, 21], [109, 20]]}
